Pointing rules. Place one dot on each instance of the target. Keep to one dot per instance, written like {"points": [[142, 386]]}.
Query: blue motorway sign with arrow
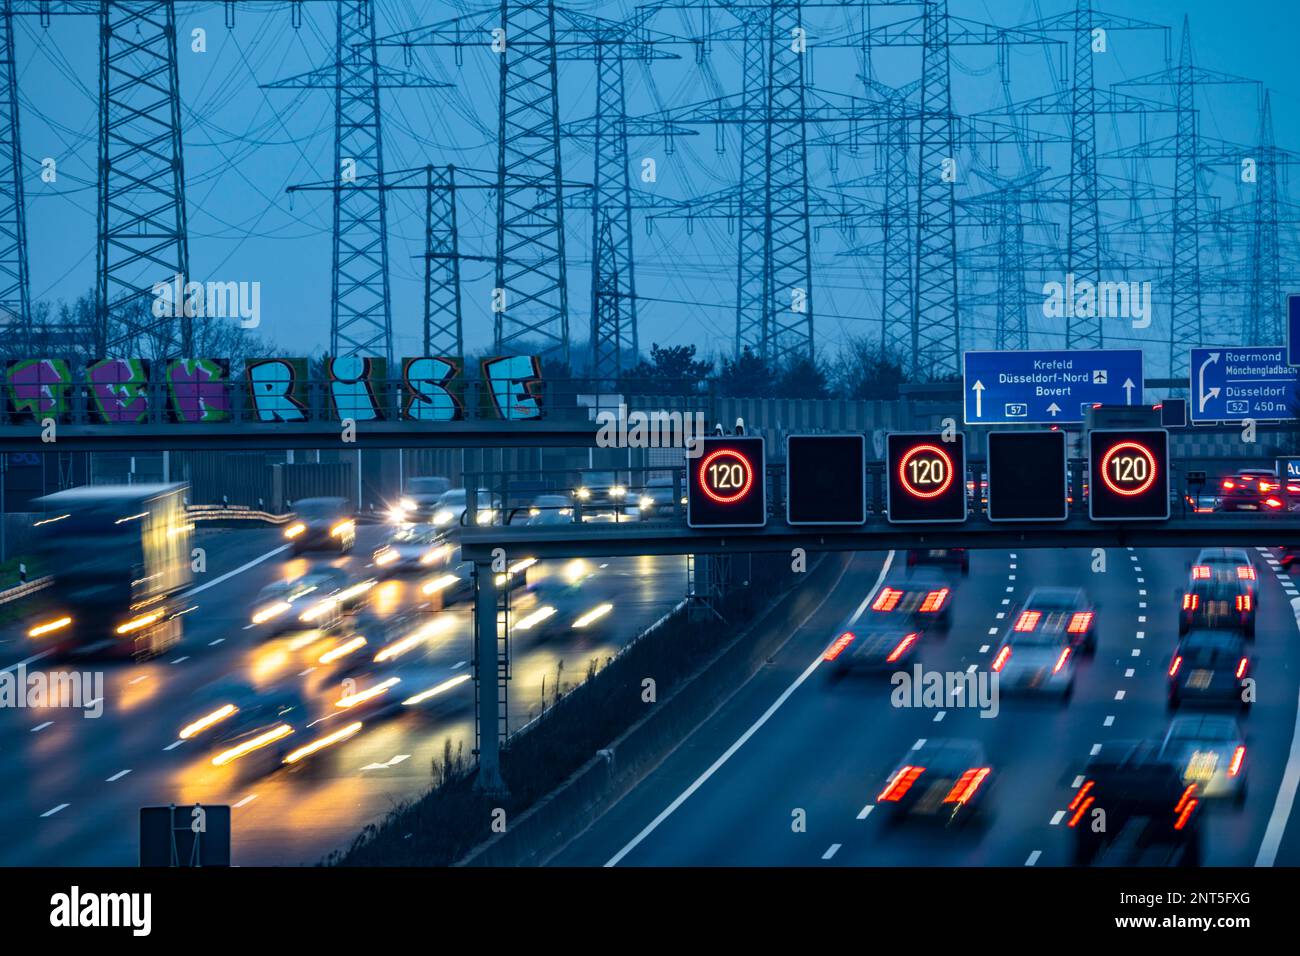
{"points": [[1233, 384], [1042, 387]]}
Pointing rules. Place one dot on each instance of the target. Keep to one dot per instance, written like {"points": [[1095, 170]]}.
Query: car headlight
{"points": [[443, 517], [295, 529], [582, 494], [406, 504], [647, 502], [617, 491], [342, 528]]}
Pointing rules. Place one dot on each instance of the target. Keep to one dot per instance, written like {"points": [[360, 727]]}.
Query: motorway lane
{"points": [[829, 748], [74, 785]]}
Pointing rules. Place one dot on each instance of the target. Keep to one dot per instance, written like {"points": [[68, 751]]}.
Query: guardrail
{"points": [[23, 590]]}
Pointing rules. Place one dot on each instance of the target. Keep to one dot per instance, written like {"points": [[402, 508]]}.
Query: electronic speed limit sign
{"points": [[925, 478], [726, 486], [1128, 474]]}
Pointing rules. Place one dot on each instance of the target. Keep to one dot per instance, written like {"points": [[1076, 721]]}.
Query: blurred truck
{"points": [[119, 556]]}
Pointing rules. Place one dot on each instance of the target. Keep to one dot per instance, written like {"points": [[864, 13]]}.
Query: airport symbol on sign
{"points": [[1044, 387], [1233, 384]]}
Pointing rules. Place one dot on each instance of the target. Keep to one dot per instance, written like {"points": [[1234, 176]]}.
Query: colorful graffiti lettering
{"points": [[514, 385], [196, 389], [120, 389], [352, 392], [275, 387], [39, 387], [430, 390]]}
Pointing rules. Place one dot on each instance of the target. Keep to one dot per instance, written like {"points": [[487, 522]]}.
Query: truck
{"points": [[119, 558]]}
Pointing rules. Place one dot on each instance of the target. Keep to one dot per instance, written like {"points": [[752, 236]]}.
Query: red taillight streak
{"points": [[1060, 661], [1238, 756], [1272, 502], [1173, 668], [887, 600], [1027, 621], [837, 647], [901, 783], [1185, 815], [1191, 602], [1243, 602], [1229, 484], [1201, 572], [1001, 659], [1083, 808], [1241, 667], [1187, 795], [1083, 792], [1245, 572], [901, 649], [1079, 622], [966, 785], [934, 600]]}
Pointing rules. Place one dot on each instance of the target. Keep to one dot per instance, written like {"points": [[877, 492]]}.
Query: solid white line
{"points": [[230, 574], [766, 716], [831, 851], [51, 812], [1286, 789], [117, 776]]}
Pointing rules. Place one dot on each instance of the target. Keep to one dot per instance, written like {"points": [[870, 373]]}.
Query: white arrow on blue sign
{"points": [[1045, 386], [1231, 384]]}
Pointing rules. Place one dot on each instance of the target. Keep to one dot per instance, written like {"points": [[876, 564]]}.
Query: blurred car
{"points": [[546, 510], [660, 499], [1033, 660], [939, 557], [453, 503], [600, 490], [1235, 560], [1252, 489], [885, 648], [322, 524], [1220, 600], [420, 498], [1212, 752], [923, 601], [280, 604], [1288, 555], [1060, 610], [253, 731], [1152, 816], [1208, 668], [946, 780], [414, 547]]}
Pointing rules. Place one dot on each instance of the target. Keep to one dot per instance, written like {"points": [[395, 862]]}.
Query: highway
{"points": [[793, 740], [74, 785]]}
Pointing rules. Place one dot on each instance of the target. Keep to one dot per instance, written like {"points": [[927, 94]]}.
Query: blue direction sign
{"points": [[1233, 384], [1042, 387], [1293, 329]]}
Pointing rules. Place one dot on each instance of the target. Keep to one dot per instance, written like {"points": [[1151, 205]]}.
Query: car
{"points": [[545, 510], [453, 503], [1209, 668], [1252, 489], [419, 501], [1035, 660], [279, 606], [1218, 599], [662, 497], [414, 547], [939, 557], [600, 490], [1212, 752], [252, 731], [1236, 560], [923, 601], [886, 648], [1152, 818], [945, 780], [1060, 610], [1288, 556], [322, 524]]}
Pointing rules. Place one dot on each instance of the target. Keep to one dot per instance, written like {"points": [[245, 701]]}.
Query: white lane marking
{"points": [[920, 742], [866, 811], [230, 574], [984, 648], [1143, 592], [1011, 577], [1013, 556], [971, 669], [1129, 672], [1141, 635], [1033, 858], [993, 630], [1110, 719], [1142, 603], [1078, 782], [54, 810], [24, 663], [939, 716], [246, 801], [307, 671], [216, 642], [1013, 567], [1142, 618], [117, 776], [831, 851], [1001, 615], [1006, 600], [458, 665], [1119, 695], [181, 660], [1142, 581], [136, 680], [754, 727], [1009, 590], [173, 745], [40, 727], [1057, 817], [1286, 789], [1096, 749], [1137, 652]]}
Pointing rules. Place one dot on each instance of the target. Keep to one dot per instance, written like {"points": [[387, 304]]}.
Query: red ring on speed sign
{"points": [[745, 466], [912, 453], [1144, 452]]}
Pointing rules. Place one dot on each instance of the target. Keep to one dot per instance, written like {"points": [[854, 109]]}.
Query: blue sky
{"points": [[245, 145]]}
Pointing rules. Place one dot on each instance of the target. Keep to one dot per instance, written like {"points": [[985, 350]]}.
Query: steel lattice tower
{"points": [[1185, 312], [530, 268], [15, 305], [1265, 326], [789, 255], [898, 281], [613, 283], [934, 325], [751, 260], [1083, 244], [141, 219], [361, 321], [1012, 327], [443, 332]]}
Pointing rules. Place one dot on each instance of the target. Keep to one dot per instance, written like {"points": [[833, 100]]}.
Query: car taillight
{"points": [[901, 649], [901, 783], [934, 600], [1002, 657], [1267, 485], [1184, 807], [1241, 667], [1060, 661], [1201, 572], [1273, 502], [1081, 802], [1292, 489], [1243, 602], [1177, 663], [966, 785], [1080, 621], [887, 600], [1027, 621], [838, 645], [1229, 484], [1238, 756], [1191, 602], [1245, 572]]}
